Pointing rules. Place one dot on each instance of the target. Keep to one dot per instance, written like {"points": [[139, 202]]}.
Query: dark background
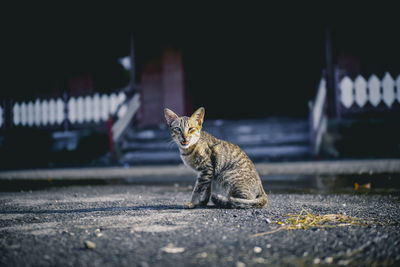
{"points": [[240, 62]]}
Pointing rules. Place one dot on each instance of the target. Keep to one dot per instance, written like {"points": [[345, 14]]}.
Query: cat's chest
{"points": [[196, 160]]}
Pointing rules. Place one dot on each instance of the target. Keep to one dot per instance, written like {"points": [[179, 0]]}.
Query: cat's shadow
{"points": [[104, 209]]}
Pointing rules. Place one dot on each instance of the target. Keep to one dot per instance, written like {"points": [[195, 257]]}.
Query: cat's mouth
{"points": [[184, 142]]}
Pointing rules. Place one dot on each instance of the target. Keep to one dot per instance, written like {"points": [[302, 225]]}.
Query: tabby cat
{"points": [[225, 172]]}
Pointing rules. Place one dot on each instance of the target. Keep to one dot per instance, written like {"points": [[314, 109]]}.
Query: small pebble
{"points": [[90, 244], [344, 262], [257, 249], [329, 260], [203, 255], [172, 249], [259, 260], [316, 261], [240, 264], [268, 246]]}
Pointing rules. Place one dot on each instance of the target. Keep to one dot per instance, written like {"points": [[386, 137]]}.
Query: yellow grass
{"points": [[305, 220]]}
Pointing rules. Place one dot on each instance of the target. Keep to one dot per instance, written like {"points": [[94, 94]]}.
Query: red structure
{"points": [[162, 85]]}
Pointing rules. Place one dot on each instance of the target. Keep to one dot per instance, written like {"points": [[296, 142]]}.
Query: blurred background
{"points": [[305, 83]]}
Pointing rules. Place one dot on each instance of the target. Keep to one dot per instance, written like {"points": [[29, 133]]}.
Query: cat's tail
{"points": [[239, 203]]}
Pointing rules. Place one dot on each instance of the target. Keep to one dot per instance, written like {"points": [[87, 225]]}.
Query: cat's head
{"points": [[185, 131]]}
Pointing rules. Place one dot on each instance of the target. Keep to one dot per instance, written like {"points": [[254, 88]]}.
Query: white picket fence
{"points": [[77, 110], [373, 91]]}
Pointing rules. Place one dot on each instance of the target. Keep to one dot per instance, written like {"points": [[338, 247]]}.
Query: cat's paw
{"points": [[189, 205]]}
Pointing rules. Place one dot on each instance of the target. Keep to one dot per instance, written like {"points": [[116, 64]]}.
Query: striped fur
{"points": [[225, 172]]}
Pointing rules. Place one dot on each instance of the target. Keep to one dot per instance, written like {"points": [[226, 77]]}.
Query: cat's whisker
{"points": [[171, 143]]}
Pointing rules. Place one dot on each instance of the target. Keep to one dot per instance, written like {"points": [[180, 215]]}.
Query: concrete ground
{"points": [[145, 225], [164, 172], [139, 220]]}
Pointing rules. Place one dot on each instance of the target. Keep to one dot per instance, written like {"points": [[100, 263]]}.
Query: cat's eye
{"points": [[177, 129], [191, 130]]}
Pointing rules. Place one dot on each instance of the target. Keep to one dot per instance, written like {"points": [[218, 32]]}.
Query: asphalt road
{"points": [[145, 225]]}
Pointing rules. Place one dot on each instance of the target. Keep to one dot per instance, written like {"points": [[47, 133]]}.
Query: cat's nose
{"points": [[185, 142]]}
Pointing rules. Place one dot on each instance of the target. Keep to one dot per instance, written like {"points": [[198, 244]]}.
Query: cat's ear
{"points": [[198, 115], [170, 116]]}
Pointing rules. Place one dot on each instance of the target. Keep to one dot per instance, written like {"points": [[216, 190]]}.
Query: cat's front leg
{"points": [[201, 192]]}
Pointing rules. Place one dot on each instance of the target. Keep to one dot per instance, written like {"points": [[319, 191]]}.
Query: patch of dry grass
{"points": [[306, 220]]}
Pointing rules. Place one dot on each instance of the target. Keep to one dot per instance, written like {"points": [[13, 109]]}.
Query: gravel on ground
{"points": [[145, 225]]}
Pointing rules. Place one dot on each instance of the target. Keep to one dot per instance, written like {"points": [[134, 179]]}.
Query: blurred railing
{"points": [[353, 97], [110, 112], [367, 96], [318, 117], [125, 113], [64, 112]]}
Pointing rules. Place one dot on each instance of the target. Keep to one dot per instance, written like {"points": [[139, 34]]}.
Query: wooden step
{"points": [[257, 154]]}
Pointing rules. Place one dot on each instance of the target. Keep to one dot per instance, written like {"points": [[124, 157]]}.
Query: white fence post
{"points": [[80, 112], [360, 86], [72, 110], [45, 112], [52, 111], [16, 113], [388, 95], [31, 115], [37, 109], [88, 115], [23, 111], [374, 87], [105, 107], [346, 92], [60, 111], [96, 108]]}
